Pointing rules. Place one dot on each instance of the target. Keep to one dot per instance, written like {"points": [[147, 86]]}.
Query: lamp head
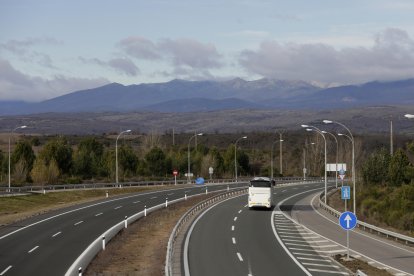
{"points": [[309, 129], [340, 134], [324, 132], [409, 116], [304, 125], [281, 140], [128, 130], [23, 126], [244, 137], [200, 134], [327, 121]]}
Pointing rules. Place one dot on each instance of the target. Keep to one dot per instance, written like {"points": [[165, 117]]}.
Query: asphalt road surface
{"points": [[50, 243]]}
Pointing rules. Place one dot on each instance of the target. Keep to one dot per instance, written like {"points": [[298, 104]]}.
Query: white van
{"points": [[260, 192]]}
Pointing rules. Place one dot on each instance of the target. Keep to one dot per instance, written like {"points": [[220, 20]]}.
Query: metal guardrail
{"points": [[27, 189], [187, 216], [365, 226], [99, 243]]}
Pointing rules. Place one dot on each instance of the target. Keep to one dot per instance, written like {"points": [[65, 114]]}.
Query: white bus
{"points": [[260, 192]]}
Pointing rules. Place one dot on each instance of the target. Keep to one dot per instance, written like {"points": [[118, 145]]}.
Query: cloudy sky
{"points": [[52, 47]]}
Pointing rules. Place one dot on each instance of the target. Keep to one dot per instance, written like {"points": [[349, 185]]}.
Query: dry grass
{"points": [[354, 265], [140, 249], [17, 208]]}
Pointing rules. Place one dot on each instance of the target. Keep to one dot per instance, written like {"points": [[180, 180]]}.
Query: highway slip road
{"points": [[49, 244], [384, 252], [230, 239]]}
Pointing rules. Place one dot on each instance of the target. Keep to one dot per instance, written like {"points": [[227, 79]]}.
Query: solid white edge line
{"points": [[187, 239], [4, 271], [356, 252], [33, 249], [277, 210]]}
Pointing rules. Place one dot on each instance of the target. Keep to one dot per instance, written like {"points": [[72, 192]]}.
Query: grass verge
{"points": [[355, 264]]}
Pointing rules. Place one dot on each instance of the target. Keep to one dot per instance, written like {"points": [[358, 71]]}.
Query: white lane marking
{"points": [[232, 228], [240, 211], [240, 257], [246, 205], [57, 234], [79, 222], [295, 244], [97, 215], [325, 246], [135, 202], [323, 265], [319, 251], [4, 271], [312, 259], [235, 218], [33, 249], [187, 239], [154, 197], [116, 208], [295, 240], [308, 254], [328, 271], [233, 240]]}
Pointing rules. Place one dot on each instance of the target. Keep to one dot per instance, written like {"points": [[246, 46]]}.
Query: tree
{"points": [[157, 162], [375, 169], [88, 158], [59, 150], [45, 174], [128, 161], [397, 168], [22, 160]]}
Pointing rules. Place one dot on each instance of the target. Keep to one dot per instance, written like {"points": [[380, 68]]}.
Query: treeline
{"points": [[387, 191], [57, 161]]}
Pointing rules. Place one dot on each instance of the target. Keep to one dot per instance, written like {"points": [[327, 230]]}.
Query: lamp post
{"points": [[11, 134], [271, 157], [189, 141], [312, 128], [353, 156], [235, 155], [116, 153], [336, 164], [304, 159]]}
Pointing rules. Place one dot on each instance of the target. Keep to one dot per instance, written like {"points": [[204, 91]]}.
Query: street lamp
{"points": [[116, 152], [235, 155], [11, 134], [336, 164], [271, 157], [312, 128], [304, 159], [189, 141], [353, 154]]}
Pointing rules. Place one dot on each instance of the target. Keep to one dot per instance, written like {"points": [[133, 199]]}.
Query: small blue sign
{"points": [[346, 192], [200, 181], [348, 220], [341, 172]]}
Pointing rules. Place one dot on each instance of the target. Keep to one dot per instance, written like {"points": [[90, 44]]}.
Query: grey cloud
{"points": [[139, 47], [22, 46], [391, 57], [122, 65], [191, 53], [15, 85]]}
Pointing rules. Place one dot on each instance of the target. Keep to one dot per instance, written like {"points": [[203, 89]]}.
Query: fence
{"points": [[368, 227]]}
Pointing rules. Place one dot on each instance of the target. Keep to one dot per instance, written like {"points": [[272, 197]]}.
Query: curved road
{"points": [[230, 239], [50, 243]]}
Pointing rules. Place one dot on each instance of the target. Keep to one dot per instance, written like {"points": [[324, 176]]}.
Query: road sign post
{"points": [[345, 194], [347, 221], [175, 173]]}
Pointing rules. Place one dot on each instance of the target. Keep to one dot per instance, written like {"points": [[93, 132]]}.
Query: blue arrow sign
{"points": [[345, 192], [348, 220]]}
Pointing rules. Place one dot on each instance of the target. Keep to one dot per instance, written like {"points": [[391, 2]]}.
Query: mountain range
{"points": [[192, 96]]}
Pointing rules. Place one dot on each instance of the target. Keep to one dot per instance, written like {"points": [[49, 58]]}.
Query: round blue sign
{"points": [[199, 181], [341, 171], [348, 220]]}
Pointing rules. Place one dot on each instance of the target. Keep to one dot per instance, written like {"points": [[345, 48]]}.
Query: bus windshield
{"points": [[260, 184]]}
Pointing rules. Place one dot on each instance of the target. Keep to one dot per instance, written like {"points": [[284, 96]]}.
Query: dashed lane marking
{"points": [[5, 271], [240, 257], [79, 222], [135, 202], [232, 228], [235, 218], [240, 211], [33, 249], [233, 240], [116, 208], [57, 234], [97, 215]]}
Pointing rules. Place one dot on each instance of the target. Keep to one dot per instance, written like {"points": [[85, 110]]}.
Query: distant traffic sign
{"points": [[348, 220], [175, 172], [345, 192], [341, 172]]}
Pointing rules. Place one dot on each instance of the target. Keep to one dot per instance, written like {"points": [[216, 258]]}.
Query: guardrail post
{"points": [[228, 188], [145, 210], [206, 190], [80, 271], [185, 196], [126, 222], [103, 242], [107, 194], [166, 202]]}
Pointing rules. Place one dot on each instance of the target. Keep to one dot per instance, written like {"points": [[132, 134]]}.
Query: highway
{"points": [[48, 244], [230, 239]]}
